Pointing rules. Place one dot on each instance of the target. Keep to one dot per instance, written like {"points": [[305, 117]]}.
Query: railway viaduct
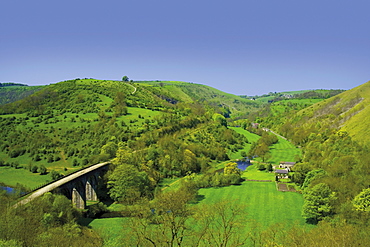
{"points": [[78, 187]]}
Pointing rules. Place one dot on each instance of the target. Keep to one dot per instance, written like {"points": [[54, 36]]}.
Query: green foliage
{"points": [[127, 184], [318, 203], [55, 175], [314, 174], [362, 201], [42, 170], [12, 92], [231, 168], [46, 221]]}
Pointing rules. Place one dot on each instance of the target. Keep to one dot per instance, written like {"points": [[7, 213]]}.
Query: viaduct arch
{"points": [[79, 187]]}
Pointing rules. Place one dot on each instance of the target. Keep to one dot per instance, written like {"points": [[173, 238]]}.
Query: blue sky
{"points": [[240, 47]]}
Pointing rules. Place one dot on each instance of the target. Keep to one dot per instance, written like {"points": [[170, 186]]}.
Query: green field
{"points": [[252, 172], [264, 203], [283, 151], [251, 138], [11, 177], [265, 206]]}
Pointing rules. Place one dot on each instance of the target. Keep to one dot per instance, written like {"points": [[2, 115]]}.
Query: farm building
{"points": [[282, 173], [286, 165]]}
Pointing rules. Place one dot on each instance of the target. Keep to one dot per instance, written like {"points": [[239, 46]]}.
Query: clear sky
{"points": [[243, 47]]}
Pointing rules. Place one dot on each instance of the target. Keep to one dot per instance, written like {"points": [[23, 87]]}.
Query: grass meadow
{"points": [[252, 172], [283, 151], [11, 176], [264, 207], [264, 204]]}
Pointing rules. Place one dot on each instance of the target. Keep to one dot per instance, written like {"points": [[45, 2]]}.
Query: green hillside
{"points": [[349, 111], [74, 123], [229, 105], [10, 92]]}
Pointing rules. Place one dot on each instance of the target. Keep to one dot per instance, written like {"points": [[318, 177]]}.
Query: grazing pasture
{"points": [[264, 204], [11, 177], [283, 150]]}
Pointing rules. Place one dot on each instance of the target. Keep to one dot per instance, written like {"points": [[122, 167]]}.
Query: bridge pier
{"points": [[78, 199], [77, 187], [91, 186]]}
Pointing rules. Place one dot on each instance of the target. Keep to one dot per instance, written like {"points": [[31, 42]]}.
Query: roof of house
{"points": [[287, 163], [281, 171]]}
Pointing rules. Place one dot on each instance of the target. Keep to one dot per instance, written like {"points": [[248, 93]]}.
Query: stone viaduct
{"points": [[79, 187]]}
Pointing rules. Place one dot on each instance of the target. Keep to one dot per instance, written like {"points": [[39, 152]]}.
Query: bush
{"points": [[42, 170], [75, 163], [261, 167], [34, 169], [55, 175], [269, 168], [97, 209]]}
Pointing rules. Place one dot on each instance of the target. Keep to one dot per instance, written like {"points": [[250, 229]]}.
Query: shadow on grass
{"points": [[197, 199], [85, 221]]}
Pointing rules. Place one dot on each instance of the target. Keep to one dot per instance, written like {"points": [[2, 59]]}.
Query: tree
{"points": [[34, 168], [125, 78], [232, 168], [42, 170], [269, 168], [362, 201], [219, 119], [164, 221], [109, 149], [55, 175], [318, 203], [127, 184], [219, 224]]}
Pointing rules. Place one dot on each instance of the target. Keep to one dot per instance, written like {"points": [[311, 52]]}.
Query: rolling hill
{"points": [[348, 111]]}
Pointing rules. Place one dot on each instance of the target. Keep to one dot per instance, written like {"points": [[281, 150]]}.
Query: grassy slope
{"points": [[283, 151], [13, 93], [11, 176], [349, 110], [31, 180], [251, 138], [192, 92]]}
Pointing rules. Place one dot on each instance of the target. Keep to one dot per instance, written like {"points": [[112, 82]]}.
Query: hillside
{"points": [[348, 111], [229, 105], [11, 92], [78, 122]]}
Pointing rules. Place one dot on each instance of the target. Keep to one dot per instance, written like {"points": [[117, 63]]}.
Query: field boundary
{"points": [[254, 180]]}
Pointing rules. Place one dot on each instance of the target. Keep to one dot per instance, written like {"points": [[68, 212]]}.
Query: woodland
{"points": [[174, 178]]}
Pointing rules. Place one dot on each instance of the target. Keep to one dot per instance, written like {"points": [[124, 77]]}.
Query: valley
{"points": [[173, 178]]}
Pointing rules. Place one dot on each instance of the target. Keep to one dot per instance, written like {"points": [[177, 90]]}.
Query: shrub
{"points": [[261, 167], [34, 168]]}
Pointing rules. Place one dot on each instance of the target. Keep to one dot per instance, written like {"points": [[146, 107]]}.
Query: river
{"points": [[7, 189]]}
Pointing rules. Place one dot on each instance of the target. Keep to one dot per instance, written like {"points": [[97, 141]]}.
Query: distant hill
{"points": [[11, 92], [174, 91], [302, 94], [149, 94]]}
